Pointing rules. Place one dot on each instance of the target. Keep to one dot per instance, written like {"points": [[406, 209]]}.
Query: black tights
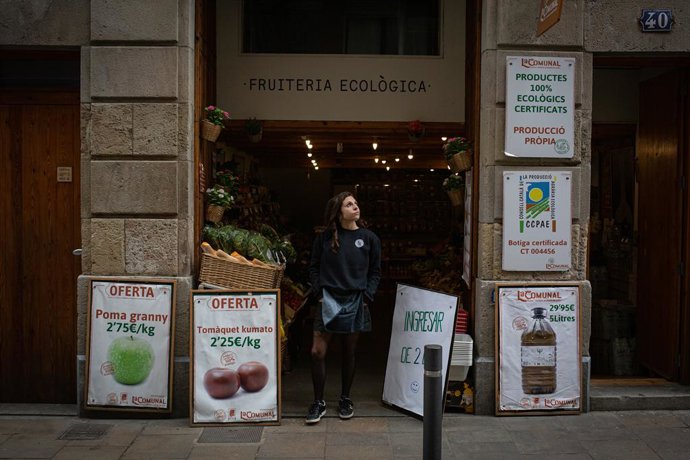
{"points": [[319, 350]]}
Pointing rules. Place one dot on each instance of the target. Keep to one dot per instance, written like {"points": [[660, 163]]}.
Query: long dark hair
{"points": [[332, 215]]}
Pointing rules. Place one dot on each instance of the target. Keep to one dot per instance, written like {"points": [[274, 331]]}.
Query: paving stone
{"points": [[459, 450], [295, 425], [31, 446], [407, 444], [181, 426], [90, 453], [671, 455], [651, 418], [546, 442], [357, 425], [293, 445], [161, 446], [624, 449], [601, 433], [357, 452], [406, 425], [471, 423], [486, 435], [591, 420], [117, 435], [531, 423], [359, 439], [224, 451], [667, 438]]}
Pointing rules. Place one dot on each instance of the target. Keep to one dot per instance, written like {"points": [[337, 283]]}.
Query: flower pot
{"points": [[256, 137], [415, 136], [214, 213], [209, 131], [461, 161], [455, 196]]}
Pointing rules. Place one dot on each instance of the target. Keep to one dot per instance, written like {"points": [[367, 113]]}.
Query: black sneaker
{"points": [[345, 408], [316, 411]]}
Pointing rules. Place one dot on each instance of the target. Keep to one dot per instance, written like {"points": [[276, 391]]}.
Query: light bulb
{"points": [[383, 162], [432, 170], [444, 138], [410, 156], [448, 166], [316, 167], [308, 142], [375, 145], [388, 168], [309, 155], [309, 146], [376, 160], [397, 160]]}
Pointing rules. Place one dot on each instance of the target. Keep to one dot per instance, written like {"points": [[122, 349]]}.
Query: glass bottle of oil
{"points": [[538, 355]]}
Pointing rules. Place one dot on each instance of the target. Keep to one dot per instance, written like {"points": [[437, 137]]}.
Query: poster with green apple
{"points": [[236, 360], [129, 352]]}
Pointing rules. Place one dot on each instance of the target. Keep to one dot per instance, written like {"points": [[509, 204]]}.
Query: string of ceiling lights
{"points": [[374, 146]]}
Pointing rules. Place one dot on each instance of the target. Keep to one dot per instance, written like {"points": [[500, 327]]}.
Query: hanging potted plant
{"points": [[458, 154], [212, 125], [218, 200], [254, 129], [415, 130], [454, 185]]}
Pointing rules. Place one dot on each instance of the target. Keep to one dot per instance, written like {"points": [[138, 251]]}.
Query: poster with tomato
{"points": [[235, 376], [129, 350]]}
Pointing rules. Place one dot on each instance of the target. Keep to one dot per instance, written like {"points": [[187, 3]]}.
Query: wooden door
{"points": [[659, 177], [40, 227]]}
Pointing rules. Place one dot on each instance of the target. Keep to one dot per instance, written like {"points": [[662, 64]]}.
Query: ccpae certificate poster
{"points": [[129, 351], [235, 375]]}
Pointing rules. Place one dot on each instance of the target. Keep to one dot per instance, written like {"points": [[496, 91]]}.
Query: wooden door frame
{"points": [[684, 147]]}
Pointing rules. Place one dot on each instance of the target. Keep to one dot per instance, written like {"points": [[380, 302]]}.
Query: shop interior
{"points": [[283, 182], [636, 233]]}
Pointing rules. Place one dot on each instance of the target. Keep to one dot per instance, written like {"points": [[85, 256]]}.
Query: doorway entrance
{"points": [[639, 228], [39, 229]]}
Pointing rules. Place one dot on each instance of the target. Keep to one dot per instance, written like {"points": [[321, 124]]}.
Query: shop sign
{"points": [[538, 364], [536, 220], [421, 317], [549, 15], [129, 350], [235, 357], [656, 20], [540, 107]]}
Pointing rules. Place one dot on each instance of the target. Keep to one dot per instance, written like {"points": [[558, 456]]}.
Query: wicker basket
{"points": [[234, 275], [461, 161], [455, 196], [214, 213], [209, 131]]}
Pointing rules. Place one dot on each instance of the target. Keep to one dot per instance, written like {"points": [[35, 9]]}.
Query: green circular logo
{"points": [[562, 146]]}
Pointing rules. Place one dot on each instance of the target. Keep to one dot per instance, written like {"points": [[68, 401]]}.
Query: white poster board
{"points": [[235, 376], [537, 221], [539, 356], [129, 350], [540, 107], [421, 317]]}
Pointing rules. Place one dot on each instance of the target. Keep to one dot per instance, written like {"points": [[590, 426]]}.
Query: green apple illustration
{"points": [[132, 359]]}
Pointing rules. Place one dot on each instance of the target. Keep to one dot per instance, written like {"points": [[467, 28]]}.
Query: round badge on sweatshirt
{"points": [[359, 242]]}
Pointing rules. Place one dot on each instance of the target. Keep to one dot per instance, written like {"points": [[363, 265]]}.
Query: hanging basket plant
{"points": [[254, 129], [415, 130], [458, 153], [212, 125]]}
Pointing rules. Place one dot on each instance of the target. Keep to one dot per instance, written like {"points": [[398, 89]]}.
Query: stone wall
{"points": [[509, 29], [44, 23], [137, 159]]}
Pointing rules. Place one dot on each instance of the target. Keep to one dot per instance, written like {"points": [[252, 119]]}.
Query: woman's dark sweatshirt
{"points": [[355, 267]]}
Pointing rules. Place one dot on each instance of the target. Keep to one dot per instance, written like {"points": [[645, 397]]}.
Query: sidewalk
{"points": [[606, 435]]}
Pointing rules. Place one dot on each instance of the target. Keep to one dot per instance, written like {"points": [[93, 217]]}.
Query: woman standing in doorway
{"points": [[345, 270]]}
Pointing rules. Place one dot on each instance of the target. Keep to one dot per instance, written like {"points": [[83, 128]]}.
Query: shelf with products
{"points": [[420, 231]]}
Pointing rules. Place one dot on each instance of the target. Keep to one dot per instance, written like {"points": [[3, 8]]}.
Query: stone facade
{"points": [[137, 93], [137, 155]]}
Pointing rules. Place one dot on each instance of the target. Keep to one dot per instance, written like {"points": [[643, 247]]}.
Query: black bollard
{"points": [[433, 402]]}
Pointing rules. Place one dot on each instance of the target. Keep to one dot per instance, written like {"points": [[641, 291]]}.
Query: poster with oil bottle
{"points": [[538, 356]]}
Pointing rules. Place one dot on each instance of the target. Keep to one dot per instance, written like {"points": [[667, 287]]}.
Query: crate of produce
{"points": [[237, 275]]}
